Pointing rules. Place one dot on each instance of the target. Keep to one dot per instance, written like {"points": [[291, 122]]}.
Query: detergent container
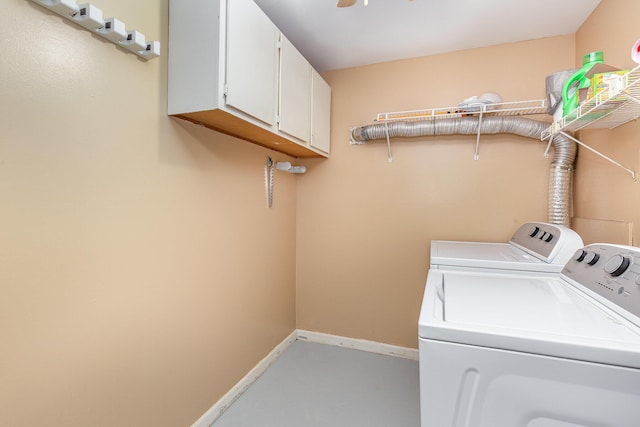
{"points": [[635, 52], [571, 88]]}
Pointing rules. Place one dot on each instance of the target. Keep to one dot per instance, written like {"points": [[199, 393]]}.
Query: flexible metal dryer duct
{"points": [[561, 172]]}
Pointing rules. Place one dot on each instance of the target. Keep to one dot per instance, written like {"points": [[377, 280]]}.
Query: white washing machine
{"points": [[511, 350], [534, 247]]}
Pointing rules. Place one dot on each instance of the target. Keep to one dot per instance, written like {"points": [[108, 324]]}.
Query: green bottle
{"points": [[571, 89]]}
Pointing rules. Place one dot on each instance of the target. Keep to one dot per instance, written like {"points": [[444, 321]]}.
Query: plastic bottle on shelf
{"points": [[635, 52], [571, 89]]}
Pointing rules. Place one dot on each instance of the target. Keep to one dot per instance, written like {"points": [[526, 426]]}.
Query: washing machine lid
{"points": [[483, 255], [541, 315]]}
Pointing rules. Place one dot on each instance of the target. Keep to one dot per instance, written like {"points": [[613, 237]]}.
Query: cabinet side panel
{"points": [[194, 52], [320, 114]]}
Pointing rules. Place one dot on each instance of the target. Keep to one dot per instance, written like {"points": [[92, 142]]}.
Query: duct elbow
{"points": [[359, 135]]}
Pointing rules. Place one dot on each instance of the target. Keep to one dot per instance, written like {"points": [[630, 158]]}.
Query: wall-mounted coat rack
{"points": [[90, 17]]}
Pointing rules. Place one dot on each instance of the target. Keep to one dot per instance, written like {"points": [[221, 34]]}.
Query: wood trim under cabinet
{"points": [[227, 123]]}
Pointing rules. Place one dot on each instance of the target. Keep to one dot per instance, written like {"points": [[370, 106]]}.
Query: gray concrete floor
{"points": [[317, 385]]}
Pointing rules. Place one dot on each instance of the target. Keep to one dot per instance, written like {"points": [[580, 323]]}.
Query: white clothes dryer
{"points": [[512, 350], [534, 247]]}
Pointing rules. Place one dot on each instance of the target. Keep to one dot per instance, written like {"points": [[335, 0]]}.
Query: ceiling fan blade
{"points": [[346, 3]]}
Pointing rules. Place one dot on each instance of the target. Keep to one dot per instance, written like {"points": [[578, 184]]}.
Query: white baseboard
{"points": [[358, 344], [232, 395]]}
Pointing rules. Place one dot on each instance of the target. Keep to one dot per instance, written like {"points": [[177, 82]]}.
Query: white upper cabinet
{"points": [[232, 70], [295, 92], [252, 61]]}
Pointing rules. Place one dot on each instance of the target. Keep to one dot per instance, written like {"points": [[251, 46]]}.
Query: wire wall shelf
{"points": [[471, 109], [606, 110], [518, 108]]}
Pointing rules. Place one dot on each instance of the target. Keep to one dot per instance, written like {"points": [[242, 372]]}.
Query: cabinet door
{"points": [[320, 113], [252, 61], [295, 92]]}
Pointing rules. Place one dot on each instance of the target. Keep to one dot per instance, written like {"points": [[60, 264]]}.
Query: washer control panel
{"points": [[549, 242], [611, 271]]}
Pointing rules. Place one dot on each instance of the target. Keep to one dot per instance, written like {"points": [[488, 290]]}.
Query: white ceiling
{"points": [[333, 38]]}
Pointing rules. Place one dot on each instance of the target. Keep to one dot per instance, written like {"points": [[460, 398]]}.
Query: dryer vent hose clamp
{"points": [[560, 174]]}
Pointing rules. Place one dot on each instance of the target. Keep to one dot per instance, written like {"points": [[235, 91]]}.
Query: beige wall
{"points": [[605, 195], [364, 225], [141, 273]]}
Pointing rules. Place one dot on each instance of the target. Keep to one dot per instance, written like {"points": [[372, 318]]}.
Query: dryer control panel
{"points": [[611, 271], [551, 243]]}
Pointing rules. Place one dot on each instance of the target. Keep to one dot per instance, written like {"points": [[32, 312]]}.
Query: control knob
{"points": [[591, 258], [534, 231], [579, 255], [616, 265]]}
